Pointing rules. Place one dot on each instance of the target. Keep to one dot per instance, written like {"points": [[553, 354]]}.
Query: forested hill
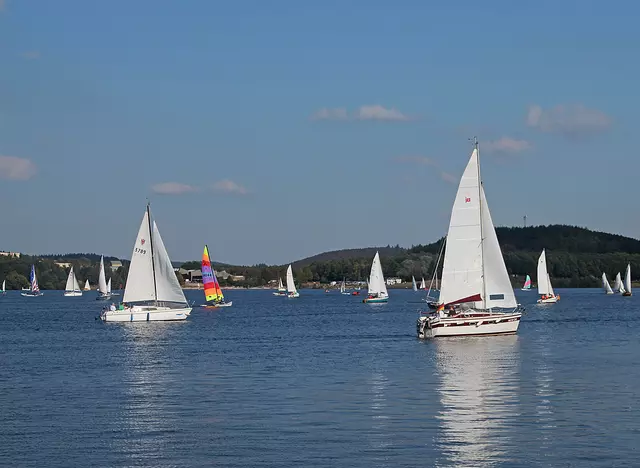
{"points": [[367, 252]]}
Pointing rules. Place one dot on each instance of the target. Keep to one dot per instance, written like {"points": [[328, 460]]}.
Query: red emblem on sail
{"points": [[142, 241], [467, 199]]}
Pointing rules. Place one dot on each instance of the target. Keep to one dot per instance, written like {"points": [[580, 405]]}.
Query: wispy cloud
{"points": [[229, 187], [30, 54], [422, 160], [506, 145], [570, 120], [369, 112], [173, 188], [447, 177], [13, 168]]}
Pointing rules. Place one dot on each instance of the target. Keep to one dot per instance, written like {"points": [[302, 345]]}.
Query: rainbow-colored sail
{"points": [[527, 283], [212, 291]]}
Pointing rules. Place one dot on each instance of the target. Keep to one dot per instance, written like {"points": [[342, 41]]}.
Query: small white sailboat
{"points": [[72, 288], [605, 284], [414, 286], [423, 285], [527, 284], [343, 288], [34, 289], [87, 286], [476, 295], [545, 290], [4, 287], [627, 281], [282, 291], [377, 286], [291, 285], [152, 291], [104, 291], [617, 284], [109, 289]]}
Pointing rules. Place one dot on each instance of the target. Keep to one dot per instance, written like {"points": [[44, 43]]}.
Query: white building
{"points": [[392, 281]]}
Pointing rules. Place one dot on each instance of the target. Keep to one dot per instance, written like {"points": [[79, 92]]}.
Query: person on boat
{"points": [[120, 306], [112, 307]]}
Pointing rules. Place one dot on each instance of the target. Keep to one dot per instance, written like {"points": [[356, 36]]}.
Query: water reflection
{"points": [[478, 380], [544, 391], [379, 427]]}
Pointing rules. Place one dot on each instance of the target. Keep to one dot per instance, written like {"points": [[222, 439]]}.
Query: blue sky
{"points": [[283, 129]]}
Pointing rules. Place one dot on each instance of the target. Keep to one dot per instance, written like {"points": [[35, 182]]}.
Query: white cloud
{"points": [[568, 119], [336, 113], [230, 187], [377, 112], [173, 188], [506, 145], [14, 168], [424, 161]]}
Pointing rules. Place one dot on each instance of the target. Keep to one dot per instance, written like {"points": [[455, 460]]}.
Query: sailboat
{"points": [[4, 287], [291, 285], [527, 284], [152, 292], [104, 293], [545, 290], [34, 289], [475, 289], [282, 291], [109, 291], [617, 285], [343, 289], [413, 284], [87, 286], [605, 284], [627, 281], [212, 292], [377, 286], [72, 289]]}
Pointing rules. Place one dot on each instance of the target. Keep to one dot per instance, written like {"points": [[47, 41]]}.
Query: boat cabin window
{"points": [[496, 297]]}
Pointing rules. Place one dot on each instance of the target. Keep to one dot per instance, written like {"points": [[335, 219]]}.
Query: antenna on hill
{"points": [[525, 220]]}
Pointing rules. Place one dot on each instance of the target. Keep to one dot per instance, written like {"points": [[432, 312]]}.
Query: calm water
{"points": [[322, 380]]}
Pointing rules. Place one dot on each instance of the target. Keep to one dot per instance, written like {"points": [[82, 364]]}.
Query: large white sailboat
{"points": [[476, 296], [605, 284], [627, 281], [152, 291], [104, 292], [291, 285], [72, 288], [377, 286], [545, 290], [282, 291]]}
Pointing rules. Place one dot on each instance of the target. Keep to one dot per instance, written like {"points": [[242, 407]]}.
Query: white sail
{"points": [[474, 269], [140, 284], [70, 278], [291, 285], [167, 285], [87, 286], [617, 285], [413, 284], [544, 283], [377, 284], [627, 278], [423, 285], [76, 286], [109, 286], [102, 281], [280, 285], [551, 293], [4, 285], [606, 285], [342, 286]]}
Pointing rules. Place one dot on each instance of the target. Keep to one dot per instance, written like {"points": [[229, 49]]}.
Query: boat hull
{"points": [[375, 300], [293, 296], [468, 325], [279, 293], [73, 293], [103, 297], [549, 300], [626, 294], [146, 314], [526, 289], [218, 305], [31, 294]]}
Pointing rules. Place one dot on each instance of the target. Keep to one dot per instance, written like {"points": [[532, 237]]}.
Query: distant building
{"points": [[236, 277], [63, 264], [392, 281], [222, 275], [195, 276], [115, 264], [10, 254]]}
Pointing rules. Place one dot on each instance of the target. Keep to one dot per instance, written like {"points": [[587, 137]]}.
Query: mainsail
{"points": [[413, 284], [423, 285], [34, 280], [281, 287], [627, 278], [291, 285], [474, 269], [544, 281], [377, 285], [606, 285], [102, 281], [109, 286], [617, 285], [212, 291], [527, 283], [87, 286]]}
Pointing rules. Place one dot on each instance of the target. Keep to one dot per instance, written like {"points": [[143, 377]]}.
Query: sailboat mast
{"points": [[484, 283], [153, 263]]}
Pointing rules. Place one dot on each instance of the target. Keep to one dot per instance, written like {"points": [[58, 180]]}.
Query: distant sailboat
{"points": [[72, 289], [4, 287], [87, 286], [423, 285], [109, 291], [605, 284], [527, 284], [627, 281], [413, 284], [212, 291], [282, 291], [104, 293], [377, 286], [34, 289], [343, 288], [152, 292], [291, 285], [545, 290], [617, 285]]}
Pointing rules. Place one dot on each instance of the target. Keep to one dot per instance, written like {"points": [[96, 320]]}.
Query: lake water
{"points": [[322, 380]]}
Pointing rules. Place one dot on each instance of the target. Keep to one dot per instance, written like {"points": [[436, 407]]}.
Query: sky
{"points": [[277, 130]]}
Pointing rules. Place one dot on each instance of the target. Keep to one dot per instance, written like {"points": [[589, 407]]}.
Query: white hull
{"points": [[548, 300], [280, 293], [218, 305], [31, 294], [72, 293], [293, 295], [146, 314], [468, 324], [526, 289]]}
